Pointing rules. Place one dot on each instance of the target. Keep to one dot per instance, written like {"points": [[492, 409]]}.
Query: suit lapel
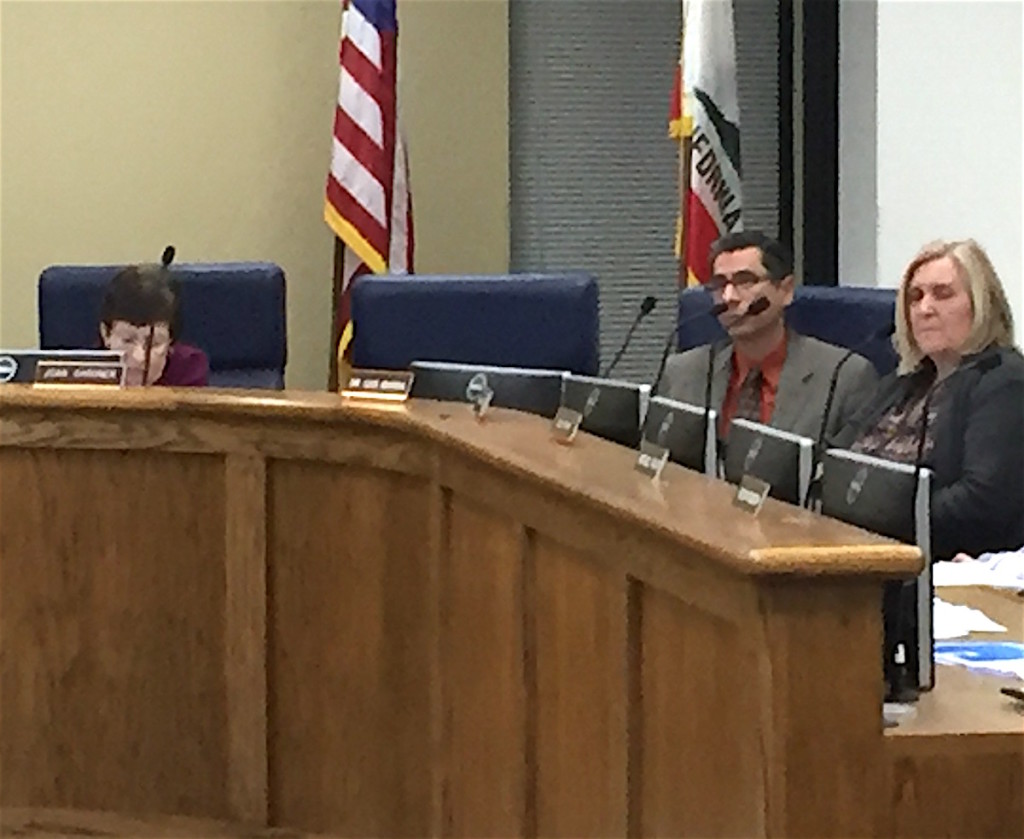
{"points": [[797, 373]]}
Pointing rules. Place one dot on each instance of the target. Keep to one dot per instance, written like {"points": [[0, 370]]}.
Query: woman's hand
{"points": [[963, 558]]}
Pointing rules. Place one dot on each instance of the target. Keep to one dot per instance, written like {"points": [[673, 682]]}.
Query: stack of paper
{"points": [[951, 620], [999, 571]]}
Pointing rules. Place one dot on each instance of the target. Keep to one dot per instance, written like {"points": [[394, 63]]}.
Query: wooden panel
{"points": [[700, 755], [820, 677], [970, 795], [593, 474], [955, 766], [581, 671], [245, 636], [625, 549], [694, 512], [485, 748], [49, 823], [112, 633], [198, 432], [439, 505], [349, 723], [431, 647]]}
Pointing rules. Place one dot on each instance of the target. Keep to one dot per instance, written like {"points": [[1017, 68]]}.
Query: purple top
{"points": [[187, 366]]}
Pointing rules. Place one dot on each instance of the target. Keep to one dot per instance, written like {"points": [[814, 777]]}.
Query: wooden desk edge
{"points": [[883, 559]]}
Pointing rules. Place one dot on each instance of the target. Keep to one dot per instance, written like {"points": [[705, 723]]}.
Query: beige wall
{"points": [[129, 125]]}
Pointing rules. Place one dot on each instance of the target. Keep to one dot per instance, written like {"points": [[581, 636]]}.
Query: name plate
{"points": [[651, 460], [379, 385], [565, 425], [751, 493], [109, 373]]}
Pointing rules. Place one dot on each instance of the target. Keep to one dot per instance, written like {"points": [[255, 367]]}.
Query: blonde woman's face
{"points": [[940, 309]]}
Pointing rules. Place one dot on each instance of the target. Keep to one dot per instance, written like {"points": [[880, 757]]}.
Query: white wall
{"points": [[947, 134]]}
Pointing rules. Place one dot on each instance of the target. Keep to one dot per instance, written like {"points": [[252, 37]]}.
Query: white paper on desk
{"points": [[952, 620], [999, 572]]}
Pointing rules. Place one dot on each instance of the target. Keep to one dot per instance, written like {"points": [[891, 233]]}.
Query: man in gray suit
{"points": [[765, 372]]}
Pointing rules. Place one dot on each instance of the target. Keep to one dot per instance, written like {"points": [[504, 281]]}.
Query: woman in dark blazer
{"points": [[954, 335]]}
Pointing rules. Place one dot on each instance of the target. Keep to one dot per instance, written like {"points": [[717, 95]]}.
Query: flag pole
{"points": [[685, 155], [684, 210], [337, 281], [337, 289]]}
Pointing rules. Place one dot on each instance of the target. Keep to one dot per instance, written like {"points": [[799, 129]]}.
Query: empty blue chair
{"points": [[842, 315], [513, 320], [233, 311]]}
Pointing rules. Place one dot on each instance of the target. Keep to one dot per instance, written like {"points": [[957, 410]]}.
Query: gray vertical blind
{"points": [[594, 175]]}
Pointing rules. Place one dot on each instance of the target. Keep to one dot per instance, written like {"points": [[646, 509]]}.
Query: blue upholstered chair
{"points": [[233, 311], [513, 320], [842, 315]]}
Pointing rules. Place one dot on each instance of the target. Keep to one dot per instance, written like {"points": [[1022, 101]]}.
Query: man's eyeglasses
{"points": [[741, 281]]}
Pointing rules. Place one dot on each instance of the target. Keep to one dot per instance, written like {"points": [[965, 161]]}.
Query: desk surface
{"points": [[970, 703]]}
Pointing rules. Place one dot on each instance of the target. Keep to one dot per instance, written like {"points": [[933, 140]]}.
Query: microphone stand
{"points": [[902, 689], [714, 311], [149, 351], [646, 307], [814, 490], [707, 404]]}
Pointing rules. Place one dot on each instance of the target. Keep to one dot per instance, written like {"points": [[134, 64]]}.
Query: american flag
{"points": [[368, 204]]}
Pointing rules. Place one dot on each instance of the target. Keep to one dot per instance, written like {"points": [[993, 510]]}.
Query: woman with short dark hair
{"points": [[139, 317]]}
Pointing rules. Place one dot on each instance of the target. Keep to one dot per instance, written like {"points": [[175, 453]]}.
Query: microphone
{"points": [[902, 689], [714, 311], [879, 335], [149, 353], [646, 307], [757, 305], [167, 257]]}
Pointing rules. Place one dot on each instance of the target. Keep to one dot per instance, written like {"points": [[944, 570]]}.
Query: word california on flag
{"points": [[368, 204], [704, 117]]}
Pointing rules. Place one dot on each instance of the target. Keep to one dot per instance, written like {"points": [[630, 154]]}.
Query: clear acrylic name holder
{"points": [[479, 394], [567, 421]]}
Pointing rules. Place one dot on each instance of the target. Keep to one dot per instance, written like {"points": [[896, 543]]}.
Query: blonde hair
{"points": [[992, 324]]}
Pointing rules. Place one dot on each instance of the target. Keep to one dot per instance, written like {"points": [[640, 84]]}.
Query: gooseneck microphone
{"points": [[902, 688], [646, 307], [878, 335], [714, 311], [166, 258], [757, 305]]}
